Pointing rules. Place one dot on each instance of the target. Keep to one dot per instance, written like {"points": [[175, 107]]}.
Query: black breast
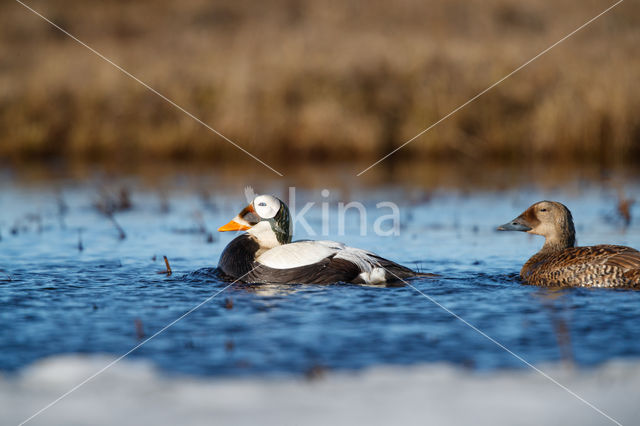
{"points": [[237, 258]]}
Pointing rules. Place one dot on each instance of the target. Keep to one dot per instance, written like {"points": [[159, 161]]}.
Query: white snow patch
{"points": [[133, 392]]}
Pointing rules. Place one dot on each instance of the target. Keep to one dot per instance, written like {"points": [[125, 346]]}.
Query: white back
{"points": [[304, 253]]}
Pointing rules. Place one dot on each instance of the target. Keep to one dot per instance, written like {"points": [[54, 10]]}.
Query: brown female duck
{"points": [[560, 263]]}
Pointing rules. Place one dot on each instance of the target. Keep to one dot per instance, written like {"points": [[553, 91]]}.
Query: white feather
{"points": [[359, 257], [297, 254], [266, 206], [249, 194], [264, 235], [304, 253], [376, 276]]}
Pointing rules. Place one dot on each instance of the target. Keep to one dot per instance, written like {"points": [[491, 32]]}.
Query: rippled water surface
{"points": [[70, 284]]}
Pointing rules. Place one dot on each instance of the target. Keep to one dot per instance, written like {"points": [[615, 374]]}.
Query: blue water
{"points": [[109, 296]]}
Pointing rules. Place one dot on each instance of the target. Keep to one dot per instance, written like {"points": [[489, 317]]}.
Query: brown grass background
{"points": [[291, 79]]}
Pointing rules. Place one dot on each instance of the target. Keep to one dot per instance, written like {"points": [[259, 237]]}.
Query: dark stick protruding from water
{"points": [[121, 233], [624, 208], [228, 304], [63, 208], [139, 329], [80, 245], [109, 206], [166, 262]]}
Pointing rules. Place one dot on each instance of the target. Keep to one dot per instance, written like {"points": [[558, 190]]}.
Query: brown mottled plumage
{"points": [[559, 263]]}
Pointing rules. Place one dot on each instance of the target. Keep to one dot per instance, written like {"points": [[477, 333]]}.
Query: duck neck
{"points": [[281, 232], [266, 238], [560, 241], [281, 225]]}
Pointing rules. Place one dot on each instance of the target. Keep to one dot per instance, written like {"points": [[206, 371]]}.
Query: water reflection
{"points": [[553, 300]]}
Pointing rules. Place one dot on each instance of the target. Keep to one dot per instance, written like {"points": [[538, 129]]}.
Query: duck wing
{"points": [[627, 259], [395, 271], [326, 271], [605, 254], [323, 262], [629, 262], [299, 253], [600, 266]]}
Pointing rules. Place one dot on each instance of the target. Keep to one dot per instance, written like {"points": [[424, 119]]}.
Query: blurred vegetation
{"points": [[335, 79]]}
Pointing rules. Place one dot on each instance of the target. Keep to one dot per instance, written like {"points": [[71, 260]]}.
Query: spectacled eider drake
{"points": [[561, 263], [265, 253]]}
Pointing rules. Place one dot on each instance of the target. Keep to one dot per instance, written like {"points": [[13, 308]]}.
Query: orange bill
{"points": [[233, 226]]}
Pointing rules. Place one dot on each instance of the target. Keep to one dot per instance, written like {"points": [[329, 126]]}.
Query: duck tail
{"points": [[426, 275], [633, 278]]}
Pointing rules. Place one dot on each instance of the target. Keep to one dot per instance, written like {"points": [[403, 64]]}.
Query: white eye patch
{"points": [[266, 206]]}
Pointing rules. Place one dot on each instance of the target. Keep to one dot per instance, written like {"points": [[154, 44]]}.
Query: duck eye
{"points": [[543, 210], [262, 204]]}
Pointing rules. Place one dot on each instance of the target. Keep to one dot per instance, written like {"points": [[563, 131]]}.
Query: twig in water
{"points": [[15, 228], [139, 329], [124, 199], [207, 203], [202, 227], [229, 345], [165, 207], [624, 207], [113, 220], [80, 245], [316, 372], [228, 304], [108, 207], [168, 271], [63, 208]]}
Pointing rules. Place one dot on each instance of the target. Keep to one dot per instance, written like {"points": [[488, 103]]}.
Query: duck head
{"points": [[550, 219], [266, 219]]}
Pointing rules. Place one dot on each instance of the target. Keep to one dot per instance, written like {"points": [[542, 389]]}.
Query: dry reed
{"points": [[319, 79]]}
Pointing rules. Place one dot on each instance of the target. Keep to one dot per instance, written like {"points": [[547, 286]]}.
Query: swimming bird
{"points": [[265, 253], [561, 263]]}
